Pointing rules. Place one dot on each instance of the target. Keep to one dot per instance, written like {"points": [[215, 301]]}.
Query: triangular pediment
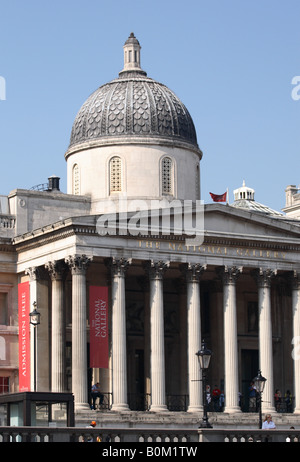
{"points": [[227, 220]]}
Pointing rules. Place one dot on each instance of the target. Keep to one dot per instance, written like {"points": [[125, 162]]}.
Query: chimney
{"points": [[53, 183]]}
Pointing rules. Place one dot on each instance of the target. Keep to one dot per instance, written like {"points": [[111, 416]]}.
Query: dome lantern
{"points": [[132, 56]]}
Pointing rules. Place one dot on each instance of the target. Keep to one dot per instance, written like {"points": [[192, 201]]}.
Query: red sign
{"points": [[24, 336], [98, 326]]}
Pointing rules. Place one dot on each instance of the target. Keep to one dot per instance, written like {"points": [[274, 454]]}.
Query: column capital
{"points": [[78, 263], [33, 272], [118, 266], [264, 276], [193, 271], [156, 269], [56, 269], [295, 280], [229, 274]]}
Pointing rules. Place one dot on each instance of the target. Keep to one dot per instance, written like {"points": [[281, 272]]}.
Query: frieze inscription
{"points": [[212, 250]]}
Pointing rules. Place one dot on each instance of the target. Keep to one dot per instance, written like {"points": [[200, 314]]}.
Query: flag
{"points": [[218, 197]]}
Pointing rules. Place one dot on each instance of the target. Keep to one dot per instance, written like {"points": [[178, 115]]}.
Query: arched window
{"points": [[75, 180], [167, 181], [115, 175]]}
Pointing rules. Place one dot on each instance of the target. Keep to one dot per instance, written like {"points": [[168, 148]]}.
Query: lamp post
{"points": [[259, 383], [35, 319], [204, 356]]}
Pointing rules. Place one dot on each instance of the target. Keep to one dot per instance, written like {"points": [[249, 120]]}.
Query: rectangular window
{"points": [[4, 385], [3, 308]]}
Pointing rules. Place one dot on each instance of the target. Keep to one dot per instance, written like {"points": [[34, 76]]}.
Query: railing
{"points": [[107, 402], [7, 222], [247, 436], [111, 435], [141, 435], [179, 403]]}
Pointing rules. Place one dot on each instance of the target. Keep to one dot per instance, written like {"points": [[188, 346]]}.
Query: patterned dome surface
{"points": [[133, 106]]}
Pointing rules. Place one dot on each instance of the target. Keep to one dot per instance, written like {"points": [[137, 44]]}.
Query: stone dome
{"points": [[133, 108]]}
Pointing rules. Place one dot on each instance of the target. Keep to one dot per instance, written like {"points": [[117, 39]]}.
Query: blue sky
{"points": [[231, 62]]}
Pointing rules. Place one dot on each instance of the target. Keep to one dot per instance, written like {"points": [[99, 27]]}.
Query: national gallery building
{"points": [[130, 271]]}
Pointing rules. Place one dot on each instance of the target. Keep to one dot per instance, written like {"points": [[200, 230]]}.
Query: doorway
{"points": [[249, 371]]}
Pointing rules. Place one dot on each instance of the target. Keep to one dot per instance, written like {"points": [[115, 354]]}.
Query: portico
{"points": [[233, 291]]}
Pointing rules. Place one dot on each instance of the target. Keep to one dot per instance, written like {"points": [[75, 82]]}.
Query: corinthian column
{"points": [[119, 360], [56, 269], [263, 278], [296, 338], [158, 392], [229, 276], [193, 273], [78, 265]]}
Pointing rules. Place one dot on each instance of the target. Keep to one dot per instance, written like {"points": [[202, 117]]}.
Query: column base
{"points": [[195, 409], [159, 408], [232, 410], [120, 407], [81, 406]]}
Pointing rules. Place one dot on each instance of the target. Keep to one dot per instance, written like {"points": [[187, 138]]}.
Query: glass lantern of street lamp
{"points": [[204, 356], [35, 316], [259, 382]]}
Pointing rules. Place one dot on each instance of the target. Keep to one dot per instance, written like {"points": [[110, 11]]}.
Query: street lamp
{"points": [[35, 319], [204, 356], [259, 383]]}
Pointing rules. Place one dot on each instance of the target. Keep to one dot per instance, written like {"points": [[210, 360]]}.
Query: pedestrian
{"points": [[96, 393], [252, 397], [277, 399], [222, 400], [268, 423], [288, 401], [90, 438], [216, 398]]}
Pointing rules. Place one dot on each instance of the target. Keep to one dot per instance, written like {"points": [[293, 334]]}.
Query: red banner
{"points": [[24, 336], [98, 326]]}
